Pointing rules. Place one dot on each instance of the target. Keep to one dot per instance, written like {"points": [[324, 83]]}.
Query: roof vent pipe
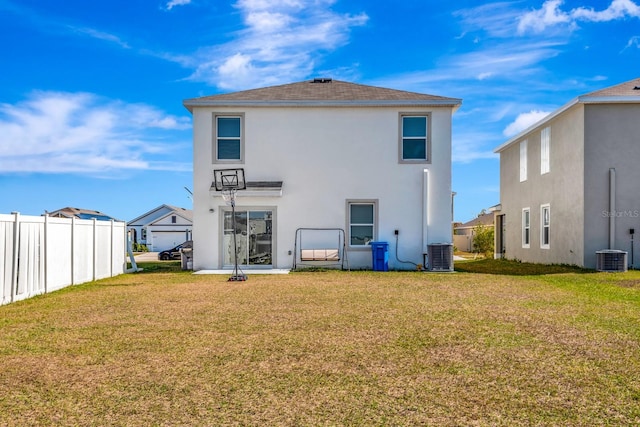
{"points": [[612, 208]]}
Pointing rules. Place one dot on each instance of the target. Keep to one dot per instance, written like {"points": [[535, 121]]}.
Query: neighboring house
{"points": [[322, 154], [80, 214], [162, 228], [463, 233], [569, 184]]}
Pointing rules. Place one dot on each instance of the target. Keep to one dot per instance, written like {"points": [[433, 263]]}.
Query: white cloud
{"points": [[510, 61], [173, 3], [57, 132], [551, 15], [618, 9], [468, 152], [267, 22], [471, 144], [282, 41], [100, 35], [497, 19], [633, 42], [523, 121]]}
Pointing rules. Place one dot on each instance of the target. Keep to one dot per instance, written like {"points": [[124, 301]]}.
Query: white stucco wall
{"points": [[325, 157]]}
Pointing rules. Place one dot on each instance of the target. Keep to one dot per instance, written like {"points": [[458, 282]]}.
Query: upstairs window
{"points": [[173, 219], [523, 160], [229, 139], [545, 159], [414, 138]]}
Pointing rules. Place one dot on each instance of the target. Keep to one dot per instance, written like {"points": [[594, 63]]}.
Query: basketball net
{"points": [[229, 196]]}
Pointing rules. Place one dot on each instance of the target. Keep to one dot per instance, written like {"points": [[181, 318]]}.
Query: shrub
{"points": [[139, 247], [483, 240]]}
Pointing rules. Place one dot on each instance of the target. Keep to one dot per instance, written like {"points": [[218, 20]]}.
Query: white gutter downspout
{"points": [[425, 211], [612, 208]]}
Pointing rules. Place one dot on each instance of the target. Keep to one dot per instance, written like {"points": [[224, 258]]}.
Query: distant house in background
{"points": [[80, 214], [569, 184], [463, 233], [162, 228]]}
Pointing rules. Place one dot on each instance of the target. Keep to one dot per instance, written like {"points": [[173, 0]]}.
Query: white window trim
{"points": [[523, 160], [214, 135], [350, 202], [542, 226], [545, 150], [428, 137], [525, 244]]}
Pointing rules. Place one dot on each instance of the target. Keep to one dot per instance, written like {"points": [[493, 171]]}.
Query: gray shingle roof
{"points": [[327, 92], [626, 89], [482, 219], [69, 212]]}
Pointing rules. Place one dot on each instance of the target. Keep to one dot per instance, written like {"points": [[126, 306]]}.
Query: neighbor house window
{"points": [[361, 222], [523, 160], [414, 138], [526, 227], [143, 234], [545, 141], [173, 219], [229, 138], [545, 226]]}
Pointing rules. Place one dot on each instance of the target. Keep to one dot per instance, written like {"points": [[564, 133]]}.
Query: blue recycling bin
{"points": [[380, 256]]}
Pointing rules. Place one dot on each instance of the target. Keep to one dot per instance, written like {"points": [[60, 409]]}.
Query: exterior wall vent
{"points": [[322, 80], [611, 260], [440, 257]]}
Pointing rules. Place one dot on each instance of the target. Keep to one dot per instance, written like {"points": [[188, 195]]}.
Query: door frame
{"points": [[249, 208]]}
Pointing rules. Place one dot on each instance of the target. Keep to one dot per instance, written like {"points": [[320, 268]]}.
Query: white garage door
{"points": [[161, 241]]}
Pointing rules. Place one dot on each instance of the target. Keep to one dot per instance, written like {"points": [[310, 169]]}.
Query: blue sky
{"points": [[91, 92]]}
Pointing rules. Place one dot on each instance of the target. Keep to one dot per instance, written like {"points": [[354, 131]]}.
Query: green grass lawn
{"points": [[165, 347]]}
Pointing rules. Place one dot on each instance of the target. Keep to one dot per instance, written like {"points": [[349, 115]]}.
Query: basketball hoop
{"points": [[228, 182]]}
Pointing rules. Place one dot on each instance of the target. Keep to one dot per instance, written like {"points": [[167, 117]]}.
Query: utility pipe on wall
{"points": [[612, 208], [425, 210]]}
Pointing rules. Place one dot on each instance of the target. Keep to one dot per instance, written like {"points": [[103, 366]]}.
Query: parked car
{"points": [[174, 253]]}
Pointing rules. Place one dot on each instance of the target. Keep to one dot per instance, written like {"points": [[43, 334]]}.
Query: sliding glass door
{"points": [[253, 235]]}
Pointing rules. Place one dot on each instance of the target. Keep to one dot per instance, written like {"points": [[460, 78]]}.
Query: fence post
{"points": [[46, 253], [95, 248], [16, 255], [73, 268], [112, 236]]}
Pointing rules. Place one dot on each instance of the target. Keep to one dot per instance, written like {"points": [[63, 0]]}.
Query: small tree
{"points": [[483, 240]]}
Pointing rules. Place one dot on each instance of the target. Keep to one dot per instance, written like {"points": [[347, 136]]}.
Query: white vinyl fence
{"points": [[40, 254]]}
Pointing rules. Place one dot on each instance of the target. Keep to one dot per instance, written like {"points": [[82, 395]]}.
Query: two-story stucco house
{"points": [[328, 155], [569, 184]]}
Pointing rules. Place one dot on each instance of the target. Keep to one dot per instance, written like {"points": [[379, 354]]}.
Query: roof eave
{"points": [[586, 99], [447, 102]]}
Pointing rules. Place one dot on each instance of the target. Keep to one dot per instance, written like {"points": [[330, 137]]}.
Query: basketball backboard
{"points": [[229, 179]]}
